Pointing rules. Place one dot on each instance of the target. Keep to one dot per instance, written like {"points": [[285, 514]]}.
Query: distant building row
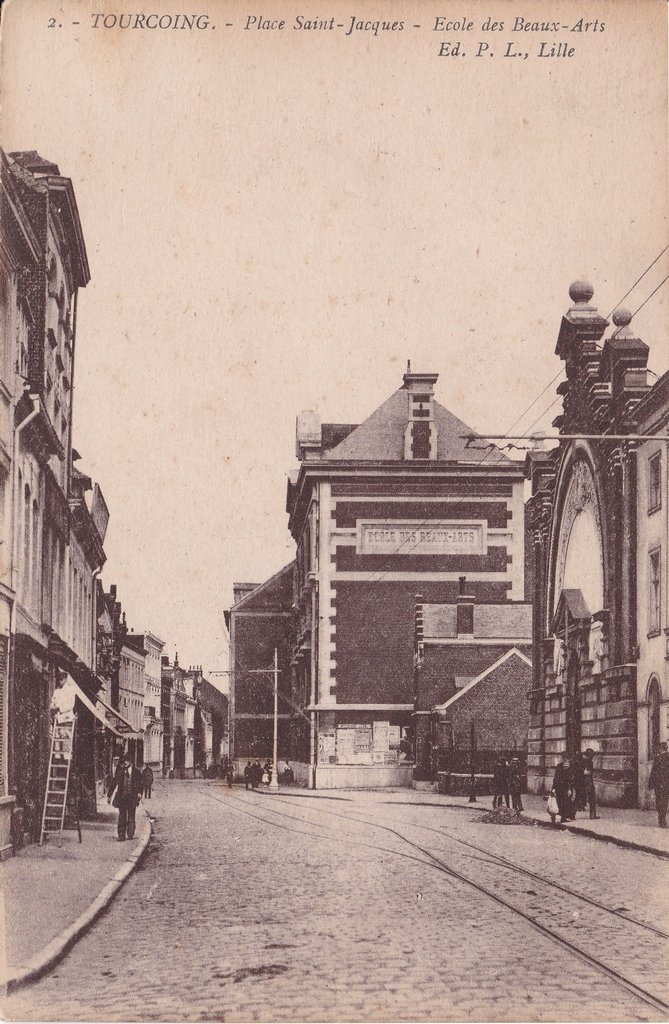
{"points": [[55, 619]]}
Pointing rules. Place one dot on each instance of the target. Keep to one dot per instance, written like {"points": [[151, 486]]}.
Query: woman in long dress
{"points": [[565, 790]]}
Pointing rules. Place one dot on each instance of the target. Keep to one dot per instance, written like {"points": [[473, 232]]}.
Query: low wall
{"points": [[459, 784], [345, 776], [301, 773]]}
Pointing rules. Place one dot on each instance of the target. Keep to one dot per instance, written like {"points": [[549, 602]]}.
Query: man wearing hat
{"points": [[659, 781], [588, 771], [125, 794]]}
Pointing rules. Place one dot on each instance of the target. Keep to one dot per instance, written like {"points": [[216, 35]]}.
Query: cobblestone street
{"points": [[251, 907]]}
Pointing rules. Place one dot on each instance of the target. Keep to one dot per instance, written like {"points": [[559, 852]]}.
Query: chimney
{"points": [[308, 435], [420, 438], [464, 609], [240, 590]]}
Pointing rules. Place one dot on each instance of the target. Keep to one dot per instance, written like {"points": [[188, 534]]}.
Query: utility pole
{"points": [[418, 651], [472, 766], [274, 781]]}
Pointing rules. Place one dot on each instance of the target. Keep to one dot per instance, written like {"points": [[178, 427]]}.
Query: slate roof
{"points": [[513, 653], [275, 594], [381, 436], [576, 606]]}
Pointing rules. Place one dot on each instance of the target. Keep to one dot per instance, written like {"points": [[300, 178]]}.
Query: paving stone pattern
{"points": [[250, 907]]}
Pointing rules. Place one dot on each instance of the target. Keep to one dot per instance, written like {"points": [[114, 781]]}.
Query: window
{"points": [[654, 593], [655, 482], [420, 443], [5, 329], [27, 532], [36, 563]]}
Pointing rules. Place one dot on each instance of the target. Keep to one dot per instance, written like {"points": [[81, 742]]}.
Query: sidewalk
{"points": [[632, 828], [49, 895]]}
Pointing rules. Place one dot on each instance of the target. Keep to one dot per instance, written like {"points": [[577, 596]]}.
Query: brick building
{"points": [[398, 505], [583, 521], [214, 704], [484, 718], [259, 622]]}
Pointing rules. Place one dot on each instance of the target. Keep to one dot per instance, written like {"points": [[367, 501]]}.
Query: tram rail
{"points": [[430, 859]]}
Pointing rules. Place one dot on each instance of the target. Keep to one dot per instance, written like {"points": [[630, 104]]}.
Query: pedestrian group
{"points": [[508, 783]]}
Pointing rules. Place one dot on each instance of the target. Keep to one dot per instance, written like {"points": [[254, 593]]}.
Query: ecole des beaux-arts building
{"points": [[445, 597]]}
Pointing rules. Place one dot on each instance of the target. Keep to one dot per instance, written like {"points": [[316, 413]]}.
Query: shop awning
{"points": [[109, 717], [126, 729]]}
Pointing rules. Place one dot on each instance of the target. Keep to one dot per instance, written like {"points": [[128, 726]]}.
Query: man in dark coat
{"points": [[578, 771], [500, 782], [563, 784], [248, 775], [147, 779], [125, 794], [659, 781], [516, 784], [589, 792]]}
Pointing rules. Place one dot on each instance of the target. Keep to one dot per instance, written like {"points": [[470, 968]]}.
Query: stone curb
{"points": [[577, 830], [580, 830], [59, 946], [605, 837]]}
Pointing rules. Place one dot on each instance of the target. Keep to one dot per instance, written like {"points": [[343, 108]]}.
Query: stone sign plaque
{"points": [[436, 537]]}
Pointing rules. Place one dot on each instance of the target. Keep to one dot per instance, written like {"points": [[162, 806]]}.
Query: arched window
{"points": [[75, 610], [36, 560], [18, 568], [55, 582], [27, 533], [654, 699]]}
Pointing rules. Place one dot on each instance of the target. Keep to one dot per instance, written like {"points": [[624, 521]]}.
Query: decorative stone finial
{"points": [[581, 291], [621, 317]]}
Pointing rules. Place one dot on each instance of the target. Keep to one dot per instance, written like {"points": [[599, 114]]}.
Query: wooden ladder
{"points": [[58, 782]]}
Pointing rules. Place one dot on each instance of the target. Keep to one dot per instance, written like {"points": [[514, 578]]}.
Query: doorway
{"points": [[654, 702]]}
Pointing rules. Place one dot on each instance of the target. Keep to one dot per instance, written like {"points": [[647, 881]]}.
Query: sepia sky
{"points": [[278, 220]]}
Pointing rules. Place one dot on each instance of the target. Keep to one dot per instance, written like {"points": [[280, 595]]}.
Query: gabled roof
{"points": [[514, 652], [381, 436], [573, 601], [276, 591], [333, 434]]}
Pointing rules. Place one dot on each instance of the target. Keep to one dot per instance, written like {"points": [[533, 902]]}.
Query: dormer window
{"points": [[421, 406], [420, 438]]}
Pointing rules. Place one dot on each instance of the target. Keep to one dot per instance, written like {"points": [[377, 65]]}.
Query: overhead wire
{"points": [[617, 305], [629, 292], [494, 448], [380, 574]]}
